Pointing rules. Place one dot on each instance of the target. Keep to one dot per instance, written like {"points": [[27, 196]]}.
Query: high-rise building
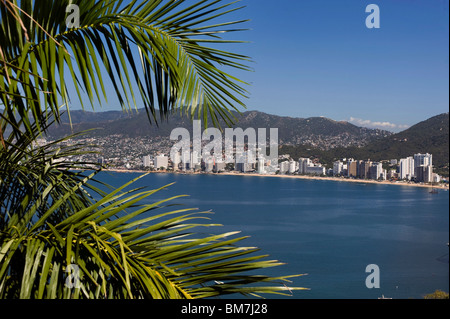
{"points": [[423, 160], [423, 167], [364, 169], [338, 167], [176, 161], [303, 163], [424, 174], [284, 167], [261, 169], [250, 160], [406, 168], [147, 161], [244, 162], [196, 159], [161, 161], [185, 161], [376, 171], [352, 169], [292, 167]]}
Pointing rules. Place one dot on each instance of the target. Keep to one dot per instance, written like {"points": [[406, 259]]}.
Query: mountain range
{"points": [[318, 132], [430, 136], [318, 137]]}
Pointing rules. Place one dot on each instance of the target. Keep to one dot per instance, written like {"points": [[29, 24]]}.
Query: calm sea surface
{"points": [[328, 230]]}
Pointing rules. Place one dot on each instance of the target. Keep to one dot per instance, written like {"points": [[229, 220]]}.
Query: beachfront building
{"points": [[209, 165], [161, 161], [338, 168], [392, 174], [344, 169], [307, 167], [185, 161], [315, 170], [244, 162], [284, 167], [423, 160], [194, 162], [261, 169], [364, 169], [406, 168], [423, 167], [176, 161], [424, 174], [352, 168], [436, 178], [250, 161], [292, 167], [147, 160], [377, 172], [303, 163]]}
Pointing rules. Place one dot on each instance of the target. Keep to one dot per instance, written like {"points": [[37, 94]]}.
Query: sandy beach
{"points": [[334, 179], [338, 179]]}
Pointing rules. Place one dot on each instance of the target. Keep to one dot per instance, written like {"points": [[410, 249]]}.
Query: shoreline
{"points": [[305, 177]]}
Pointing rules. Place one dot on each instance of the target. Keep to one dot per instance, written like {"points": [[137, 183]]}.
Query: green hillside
{"points": [[430, 136], [322, 132]]}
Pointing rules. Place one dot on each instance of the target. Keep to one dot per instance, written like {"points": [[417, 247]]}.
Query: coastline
{"points": [[337, 179], [306, 177]]}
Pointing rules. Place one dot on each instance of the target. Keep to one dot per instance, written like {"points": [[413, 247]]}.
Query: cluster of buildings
{"points": [[419, 168], [242, 164], [303, 167], [123, 153], [163, 162], [348, 168], [360, 169], [160, 162]]}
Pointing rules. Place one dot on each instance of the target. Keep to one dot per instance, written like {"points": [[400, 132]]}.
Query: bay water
{"points": [[329, 230]]}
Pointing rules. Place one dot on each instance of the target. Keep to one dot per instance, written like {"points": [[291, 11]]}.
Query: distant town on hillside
{"points": [[419, 154]]}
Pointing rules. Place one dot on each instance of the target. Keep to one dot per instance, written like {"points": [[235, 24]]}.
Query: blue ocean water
{"points": [[328, 230]]}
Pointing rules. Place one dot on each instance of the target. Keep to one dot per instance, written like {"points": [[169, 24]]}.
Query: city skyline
{"points": [[416, 168]]}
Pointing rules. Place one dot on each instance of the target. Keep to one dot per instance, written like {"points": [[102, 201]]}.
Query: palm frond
{"points": [[167, 49], [64, 234], [157, 256], [32, 176]]}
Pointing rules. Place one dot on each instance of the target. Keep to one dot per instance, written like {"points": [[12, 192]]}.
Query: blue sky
{"points": [[318, 58]]}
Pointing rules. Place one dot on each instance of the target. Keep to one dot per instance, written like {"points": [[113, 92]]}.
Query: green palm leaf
{"points": [[63, 233], [120, 260], [164, 48]]}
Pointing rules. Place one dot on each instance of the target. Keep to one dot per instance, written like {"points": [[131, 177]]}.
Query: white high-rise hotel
{"points": [[423, 167], [161, 161], [420, 167], [407, 168]]}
